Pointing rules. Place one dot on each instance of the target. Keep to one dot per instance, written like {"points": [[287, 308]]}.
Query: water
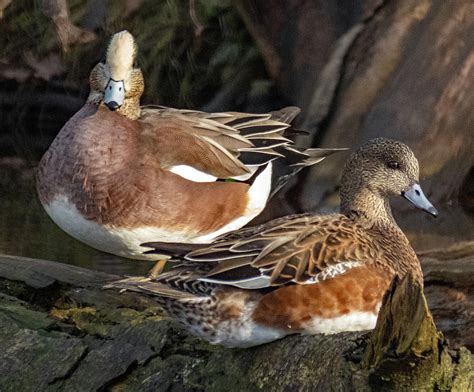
{"points": [[26, 230]]}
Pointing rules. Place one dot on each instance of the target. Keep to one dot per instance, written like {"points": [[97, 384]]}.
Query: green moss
{"points": [[463, 374], [14, 311]]}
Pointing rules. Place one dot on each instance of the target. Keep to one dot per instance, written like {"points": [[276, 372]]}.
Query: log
{"points": [[449, 282], [59, 330], [405, 351]]}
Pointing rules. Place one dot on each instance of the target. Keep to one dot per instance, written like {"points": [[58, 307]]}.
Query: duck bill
{"points": [[415, 195], [114, 94]]}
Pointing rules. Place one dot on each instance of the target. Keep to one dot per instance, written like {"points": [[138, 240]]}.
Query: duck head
{"points": [[116, 83], [380, 169]]}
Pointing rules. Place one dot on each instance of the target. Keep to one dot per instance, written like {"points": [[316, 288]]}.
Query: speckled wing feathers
{"points": [[179, 283], [292, 250]]}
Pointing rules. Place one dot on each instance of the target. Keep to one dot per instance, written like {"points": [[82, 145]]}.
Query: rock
{"points": [[32, 355]]}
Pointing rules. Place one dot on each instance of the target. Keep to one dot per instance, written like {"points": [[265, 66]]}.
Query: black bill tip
{"points": [[112, 105], [433, 211]]}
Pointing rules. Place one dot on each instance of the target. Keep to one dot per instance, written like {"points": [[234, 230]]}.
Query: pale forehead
{"points": [[121, 55]]}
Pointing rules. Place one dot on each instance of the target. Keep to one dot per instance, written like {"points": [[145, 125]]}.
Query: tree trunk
{"points": [[400, 69]]}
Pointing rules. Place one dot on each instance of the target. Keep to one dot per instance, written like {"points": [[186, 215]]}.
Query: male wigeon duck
{"points": [[118, 174], [302, 273]]}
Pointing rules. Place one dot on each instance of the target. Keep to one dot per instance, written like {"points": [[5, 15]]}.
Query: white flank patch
{"points": [[259, 192], [192, 174], [354, 321], [258, 195]]}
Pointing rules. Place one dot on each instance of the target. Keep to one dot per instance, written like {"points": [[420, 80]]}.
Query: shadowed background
{"points": [[402, 69]]}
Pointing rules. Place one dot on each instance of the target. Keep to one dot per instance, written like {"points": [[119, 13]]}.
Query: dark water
{"points": [[26, 230]]}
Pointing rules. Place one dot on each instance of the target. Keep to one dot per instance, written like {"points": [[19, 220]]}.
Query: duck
{"points": [[119, 174], [303, 273]]}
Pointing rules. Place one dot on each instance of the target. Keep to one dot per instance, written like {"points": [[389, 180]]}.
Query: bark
{"points": [[401, 69], [414, 85], [68, 33], [60, 331], [297, 37], [449, 279], [3, 5]]}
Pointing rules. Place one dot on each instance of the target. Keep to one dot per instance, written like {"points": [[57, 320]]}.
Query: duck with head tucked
{"points": [[302, 273], [118, 174]]}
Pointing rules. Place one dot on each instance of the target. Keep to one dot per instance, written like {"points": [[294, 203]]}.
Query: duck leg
{"points": [[164, 251], [156, 270]]}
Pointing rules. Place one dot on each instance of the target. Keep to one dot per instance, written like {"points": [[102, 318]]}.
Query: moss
{"points": [[84, 319], [463, 372], [102, 322], [17, 312]]}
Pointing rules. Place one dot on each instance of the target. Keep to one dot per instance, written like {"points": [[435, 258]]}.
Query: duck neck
{"points": [[130, 108], [367, 206], [373, 211]]}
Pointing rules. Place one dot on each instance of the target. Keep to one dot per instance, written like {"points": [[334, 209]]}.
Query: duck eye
{"points": [[393, 165]]}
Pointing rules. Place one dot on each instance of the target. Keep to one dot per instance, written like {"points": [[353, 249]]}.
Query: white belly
{"points": [[354, 321], [239, 332], [248, 333], [126, 242], [110, 239]]}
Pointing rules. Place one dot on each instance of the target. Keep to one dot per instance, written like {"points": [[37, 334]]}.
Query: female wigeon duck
{"points": [[118, 174], [302, 273]]}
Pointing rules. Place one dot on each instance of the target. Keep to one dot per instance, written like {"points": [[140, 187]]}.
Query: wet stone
{"points": [[104, 364], [36, 360]]}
